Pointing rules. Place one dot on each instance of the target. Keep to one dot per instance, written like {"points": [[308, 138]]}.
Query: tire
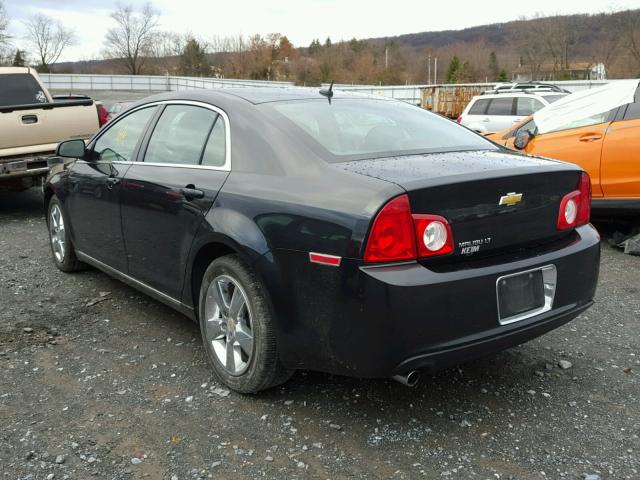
{"points": [[63, 253], [242, 365]]}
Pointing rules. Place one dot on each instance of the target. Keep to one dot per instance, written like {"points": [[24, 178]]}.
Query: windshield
{"points": [[352, 129]]}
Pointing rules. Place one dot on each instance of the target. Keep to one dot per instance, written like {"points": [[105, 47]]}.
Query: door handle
{"points": [[590, 137], [29, 119], [486, 120], [112, 181], [190, 192]]}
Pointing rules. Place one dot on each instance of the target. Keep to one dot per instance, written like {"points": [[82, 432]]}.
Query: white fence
{"points": [[148, 83], [412, 93], [151, 83]]}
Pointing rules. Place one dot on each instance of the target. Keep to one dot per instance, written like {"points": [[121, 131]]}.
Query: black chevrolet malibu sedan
{"points": [[353, 235]]}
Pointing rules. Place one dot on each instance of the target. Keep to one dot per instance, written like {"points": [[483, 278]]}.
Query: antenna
{"points": [[327, 92]]}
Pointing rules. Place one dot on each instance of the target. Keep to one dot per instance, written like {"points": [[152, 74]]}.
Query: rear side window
{"points": [[501, 106], [119, 141], [179, 136], [554, 98], [526, 106], [215, 150], [20, 89], [479, 108]]}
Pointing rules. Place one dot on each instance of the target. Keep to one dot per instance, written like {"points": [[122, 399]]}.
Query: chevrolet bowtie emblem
{"points": [[510, 199]]}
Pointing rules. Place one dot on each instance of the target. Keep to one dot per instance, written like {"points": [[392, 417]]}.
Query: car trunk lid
{"points": [[492, 200]]}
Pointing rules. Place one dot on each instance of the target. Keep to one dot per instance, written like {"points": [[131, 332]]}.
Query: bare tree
{"points": [[131, 40], [49, 38], [4, 36], [631, 35], [4, 24]]}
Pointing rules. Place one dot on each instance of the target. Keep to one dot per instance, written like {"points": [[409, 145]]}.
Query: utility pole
{"points": [[386, 58], [435, 70], [429, 68]]}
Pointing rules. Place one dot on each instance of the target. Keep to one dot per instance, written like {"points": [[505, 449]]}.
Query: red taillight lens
{"points": [[575, 207], [433, 235], [102, 114], [398, 235], [392, 236], [459, 120], [584, 210]]}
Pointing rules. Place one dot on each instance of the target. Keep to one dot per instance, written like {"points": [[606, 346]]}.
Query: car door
{"points": [[621, 155], [185, 161], [93, 201], [579, 142], [500, 114]]}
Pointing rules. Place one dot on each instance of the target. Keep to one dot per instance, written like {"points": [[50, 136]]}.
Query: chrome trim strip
{"points": [[227, 127], [163, 297], [549, 279]]}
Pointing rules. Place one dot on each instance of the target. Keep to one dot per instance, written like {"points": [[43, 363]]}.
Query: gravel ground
{"points": [[102, 382]]}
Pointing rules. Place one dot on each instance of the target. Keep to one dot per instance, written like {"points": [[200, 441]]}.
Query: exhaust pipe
{"points": [[410, 379]]}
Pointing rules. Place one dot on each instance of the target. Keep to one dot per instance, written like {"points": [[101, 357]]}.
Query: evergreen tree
{"points": [[503, 76], [453, 72], [193, 60], [494, 68], [18, 59], [314, 47]]}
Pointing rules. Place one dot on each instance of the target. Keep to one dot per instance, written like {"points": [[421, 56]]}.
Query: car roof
{"points": [[516, 93], [257, 95]]}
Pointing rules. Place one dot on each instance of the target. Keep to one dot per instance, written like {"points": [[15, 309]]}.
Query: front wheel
{"points": [[238, 329], [61, 247]]}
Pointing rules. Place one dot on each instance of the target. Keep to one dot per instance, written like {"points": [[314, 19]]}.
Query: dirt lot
{"points": [[102, 382]]}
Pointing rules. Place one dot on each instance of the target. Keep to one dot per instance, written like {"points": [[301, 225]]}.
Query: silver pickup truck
{"points": [[32, 123]]}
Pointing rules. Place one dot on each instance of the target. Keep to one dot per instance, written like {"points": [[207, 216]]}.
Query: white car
{"points": [[498, 111]]}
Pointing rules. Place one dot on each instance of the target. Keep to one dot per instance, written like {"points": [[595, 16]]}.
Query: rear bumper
{"points": [[380, 321], [32, 166]]}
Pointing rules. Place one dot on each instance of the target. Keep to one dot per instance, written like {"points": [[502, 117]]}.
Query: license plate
{"points": [[525, 294]]}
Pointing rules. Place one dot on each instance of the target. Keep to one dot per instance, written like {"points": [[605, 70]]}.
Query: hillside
{"points": [[541, 47]]}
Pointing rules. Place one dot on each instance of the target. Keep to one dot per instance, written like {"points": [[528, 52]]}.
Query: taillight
{"points": [[584, 212], [433, 235], [575, 206], [459, 120], [103, 115], [398, 235], [392, 236]]}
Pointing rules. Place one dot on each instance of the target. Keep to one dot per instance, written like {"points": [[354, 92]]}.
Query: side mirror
{"points": [[71, 149], [523, 137]]}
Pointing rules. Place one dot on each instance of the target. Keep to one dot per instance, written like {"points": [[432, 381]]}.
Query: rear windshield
{"points": [[20, 89], [554, 98], [350, 129]]}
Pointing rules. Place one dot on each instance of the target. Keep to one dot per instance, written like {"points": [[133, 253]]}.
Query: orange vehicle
{"points": [[606, 145]]}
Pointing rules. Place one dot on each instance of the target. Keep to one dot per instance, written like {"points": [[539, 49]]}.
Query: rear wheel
{"points": [[237, 327], [64, 255]]}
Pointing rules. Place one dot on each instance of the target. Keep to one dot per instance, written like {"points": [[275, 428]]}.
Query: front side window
{"points": [[526, 106], [179, 136], [585, 122], [500, 106], [350, 129], [119, 141]]}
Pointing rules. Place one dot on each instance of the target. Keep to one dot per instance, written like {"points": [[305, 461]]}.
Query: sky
{"points": [[300, 20]]}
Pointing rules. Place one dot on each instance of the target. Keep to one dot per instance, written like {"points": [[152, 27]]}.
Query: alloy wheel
{"points": [[228, 324], [57, 233]]}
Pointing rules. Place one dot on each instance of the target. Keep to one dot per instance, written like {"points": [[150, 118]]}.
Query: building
{"points": [[549, 72]]}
